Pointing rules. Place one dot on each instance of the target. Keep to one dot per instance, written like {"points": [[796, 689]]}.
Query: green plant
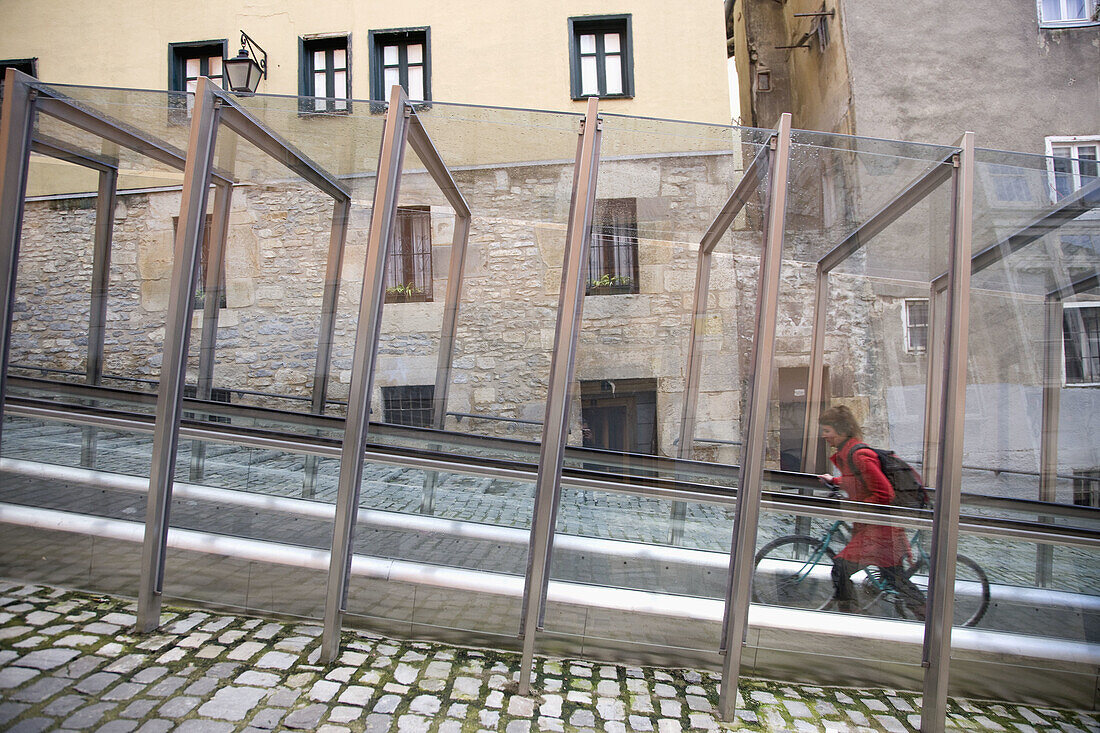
{"points": [[611, 281], [404, 290]]}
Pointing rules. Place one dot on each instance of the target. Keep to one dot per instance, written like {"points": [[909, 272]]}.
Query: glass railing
{"points": [[659, 390]]}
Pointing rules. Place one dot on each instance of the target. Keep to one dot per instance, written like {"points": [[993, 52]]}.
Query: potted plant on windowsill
{"points": [[405, 293], [610, 285]]}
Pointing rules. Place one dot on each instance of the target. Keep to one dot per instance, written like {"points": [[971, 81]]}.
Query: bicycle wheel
{"points": [[793, 571], [971, 591]]}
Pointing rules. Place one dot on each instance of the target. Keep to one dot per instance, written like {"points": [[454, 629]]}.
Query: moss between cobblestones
{"points": [[231, 682]]}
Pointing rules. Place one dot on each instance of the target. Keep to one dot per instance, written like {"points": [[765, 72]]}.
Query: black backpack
{"points": [[909, 492]]}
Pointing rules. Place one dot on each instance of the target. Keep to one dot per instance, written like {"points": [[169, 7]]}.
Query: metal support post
{"points": [[945, 526], [97, 313], [16, 127], [338, 235], [101, 272], [934, 389], [750, 481], [685, 449], [213, 292], [815, 389], [443, 367], [196, 186], [566, 334], [421, 144], [1048, 434], [383, 220]]}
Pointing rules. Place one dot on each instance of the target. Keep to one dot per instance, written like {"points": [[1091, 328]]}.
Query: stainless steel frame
{"points": [[566, 334], [211, 308], [750, 181], [101, 261], [16, 129], [383, 220], [213, 108], [402, 126], [945, 524], [736, 622], [913, 194]]}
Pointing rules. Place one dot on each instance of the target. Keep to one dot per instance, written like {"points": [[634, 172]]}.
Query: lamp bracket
{"points": [[255, 50]]}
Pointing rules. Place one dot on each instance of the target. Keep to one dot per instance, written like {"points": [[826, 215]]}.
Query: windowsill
{"points": [[609, 291], [603, 96], [1070, 385], [323, 115], [1062, 25]]}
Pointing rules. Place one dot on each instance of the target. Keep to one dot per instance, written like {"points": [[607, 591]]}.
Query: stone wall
{"points": [[275, 263]]}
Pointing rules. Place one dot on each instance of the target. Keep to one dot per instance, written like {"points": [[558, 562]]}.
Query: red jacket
{"points": [[871, 544]]}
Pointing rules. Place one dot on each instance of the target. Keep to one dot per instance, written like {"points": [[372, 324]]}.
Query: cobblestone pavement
{"points": [[68, 661]]}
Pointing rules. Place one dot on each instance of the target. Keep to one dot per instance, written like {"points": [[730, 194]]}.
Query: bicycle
{"points": [[796, 571]]}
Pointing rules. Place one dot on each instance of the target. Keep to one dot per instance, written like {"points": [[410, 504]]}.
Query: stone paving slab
{"points": [[207, 672]]}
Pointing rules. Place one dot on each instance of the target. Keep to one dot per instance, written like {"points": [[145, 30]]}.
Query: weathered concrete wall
{"points": [[928, 73]]}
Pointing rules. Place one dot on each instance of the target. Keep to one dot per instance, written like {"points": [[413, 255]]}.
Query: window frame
{"points": [[177, 72], [1090, 19], [377, 39], [607, 258], [307, 46], [404, 251], [908, 327], [1074, 142], [401, 393], [28, 66], [1065, 375], [600, 25]]}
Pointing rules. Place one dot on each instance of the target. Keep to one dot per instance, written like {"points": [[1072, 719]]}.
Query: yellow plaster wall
{"points": [[493, 52]]}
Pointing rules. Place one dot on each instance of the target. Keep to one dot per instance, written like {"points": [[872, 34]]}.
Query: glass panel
{"points": [[320, 90], [390, 55], [192, 68], [1087, 155], [588, 43], [614, 74], [340, 85], [611, 43], [415, 52], [589, 82], [319, 62], [390, 78], [340, 58], [1052, 9], [1063, 171], [1030, 448], [215, 66], [631, 357], [416, 82]]}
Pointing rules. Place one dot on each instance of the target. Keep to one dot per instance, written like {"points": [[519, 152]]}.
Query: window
{"points": [[27, 66], [613, 253], [1086, 487], [400, 57], [324, 75], [601, 63], [188, 62], [199, 301], [1073, 163], [1081, 343], [1009, 183], [409, 405], [409, 262], [1066, 13], [916, 325]]}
